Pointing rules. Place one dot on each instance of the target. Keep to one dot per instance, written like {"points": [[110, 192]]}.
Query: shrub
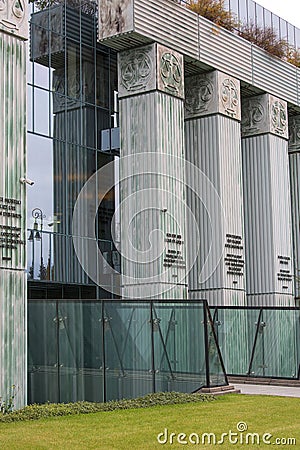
{"points": [[215, 11], [265, 38], [34, 412], [6, 406], [293, 56]]}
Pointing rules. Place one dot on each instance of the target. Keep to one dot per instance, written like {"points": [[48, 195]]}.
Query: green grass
{"points": [[138, 428]]}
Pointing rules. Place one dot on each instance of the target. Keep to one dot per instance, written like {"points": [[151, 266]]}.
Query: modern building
{"points": [[159, 160]]}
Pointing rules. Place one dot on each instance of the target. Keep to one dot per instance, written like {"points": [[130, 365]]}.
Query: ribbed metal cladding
{"points": [[152, 124], [274, 76], [294, 159], [168, 23], [12, 136], [267, 220], [13, 353], [13, 349], [174, 25], [162, 21], [224, 50], [277, 300], [213, 144]]}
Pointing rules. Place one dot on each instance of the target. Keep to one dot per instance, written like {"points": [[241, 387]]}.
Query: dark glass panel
{"points": [[42, 352]]}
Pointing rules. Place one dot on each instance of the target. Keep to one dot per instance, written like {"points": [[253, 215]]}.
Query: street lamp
{"points": [[37, 234]]}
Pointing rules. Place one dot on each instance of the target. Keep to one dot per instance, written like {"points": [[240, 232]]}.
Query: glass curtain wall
{"points": [[71, 99]]}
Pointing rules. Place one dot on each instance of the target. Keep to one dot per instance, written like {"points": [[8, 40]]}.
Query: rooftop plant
{"points": [[215, 11], [264, 37]]}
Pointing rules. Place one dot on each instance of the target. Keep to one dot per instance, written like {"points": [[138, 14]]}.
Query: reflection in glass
{"points": [[42, 101], [40, 170]]}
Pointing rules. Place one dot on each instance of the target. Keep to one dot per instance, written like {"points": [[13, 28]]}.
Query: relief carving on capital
{"points": [[279, 122], [230, 97], [136, 71], [169, 71], [13, 17], [254, 113], [198, 95], [294, 133]]}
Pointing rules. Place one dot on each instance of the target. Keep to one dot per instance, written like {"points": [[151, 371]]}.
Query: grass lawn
{"points": [[138, 428]]}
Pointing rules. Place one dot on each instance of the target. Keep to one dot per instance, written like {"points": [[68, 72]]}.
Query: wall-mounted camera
{"points": [[25, 180]]}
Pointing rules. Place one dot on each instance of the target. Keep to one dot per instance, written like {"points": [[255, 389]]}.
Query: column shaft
{"points": [[13, 333], [294, 163], [267, 202], [213, 145], [152, 171]]}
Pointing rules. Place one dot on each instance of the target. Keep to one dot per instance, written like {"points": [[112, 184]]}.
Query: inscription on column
{"points": [[173, 256], [10, 227], [284, 274], [234, 260]]}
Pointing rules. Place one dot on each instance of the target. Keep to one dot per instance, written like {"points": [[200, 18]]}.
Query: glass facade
{"points": [[71, 108], [82, 347], [106, 350]]}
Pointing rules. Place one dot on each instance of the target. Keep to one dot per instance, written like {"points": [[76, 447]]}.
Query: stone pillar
{"points": [[213, 145], [294, 159], [13, 344], [268, 236], [152, 173]]}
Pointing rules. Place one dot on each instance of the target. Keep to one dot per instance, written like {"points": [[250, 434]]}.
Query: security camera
{"points": [[27, 181]]}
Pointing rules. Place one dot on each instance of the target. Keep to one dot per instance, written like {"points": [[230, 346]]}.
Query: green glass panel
{"points": [[179, 350], [216, 371], [231, 327], [276, 349], [128, 354]]}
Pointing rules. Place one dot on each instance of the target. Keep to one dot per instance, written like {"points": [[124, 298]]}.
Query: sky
{"points": [[287, 9]]}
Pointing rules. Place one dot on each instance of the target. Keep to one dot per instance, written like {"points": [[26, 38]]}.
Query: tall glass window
{"points": [[71, 100]]}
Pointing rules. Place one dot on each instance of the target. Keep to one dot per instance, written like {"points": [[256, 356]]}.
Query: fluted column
{"points": [[13, 342], [152, 173], [213, 145], [268, 236], [294, 160]]}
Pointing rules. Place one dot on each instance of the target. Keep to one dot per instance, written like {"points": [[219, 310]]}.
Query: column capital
{"points": [[13, 18], [294, 133], [149, 68], [212, 93], [264, 114]]}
